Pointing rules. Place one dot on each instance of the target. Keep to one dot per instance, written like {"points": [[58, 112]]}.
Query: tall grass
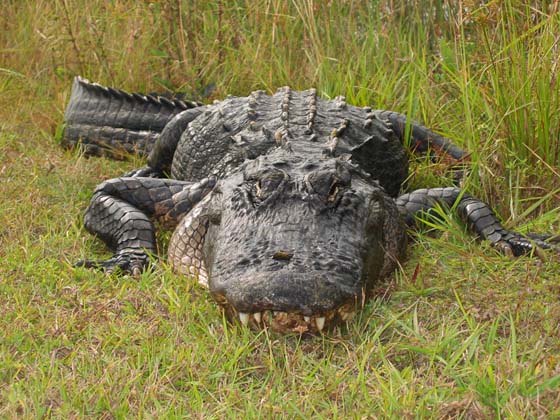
{"points": [[460, 332], [486, 75]]}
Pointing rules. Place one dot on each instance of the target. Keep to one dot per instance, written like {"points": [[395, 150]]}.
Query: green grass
{"points": [[459, 332]]}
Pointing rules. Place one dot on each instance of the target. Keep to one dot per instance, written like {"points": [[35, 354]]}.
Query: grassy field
{"points": [[460, 332]]}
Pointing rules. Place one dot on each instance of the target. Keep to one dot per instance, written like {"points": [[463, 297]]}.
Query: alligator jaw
{"points": [[289, 322]]}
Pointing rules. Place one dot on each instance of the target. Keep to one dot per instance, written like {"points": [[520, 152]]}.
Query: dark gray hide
{"points": [[285, 206]]}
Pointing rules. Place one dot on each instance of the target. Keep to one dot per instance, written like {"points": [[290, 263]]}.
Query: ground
{"points": [[459, 332]]}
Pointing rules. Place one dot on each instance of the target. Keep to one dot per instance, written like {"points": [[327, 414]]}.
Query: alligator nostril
{"points": [[243, 261], [283, 255]]}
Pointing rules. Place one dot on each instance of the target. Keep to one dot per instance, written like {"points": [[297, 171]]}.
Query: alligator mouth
{"points": [[288, 322]]}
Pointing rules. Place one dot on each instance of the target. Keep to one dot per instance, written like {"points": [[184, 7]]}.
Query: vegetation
{"points": [[460, 332]]}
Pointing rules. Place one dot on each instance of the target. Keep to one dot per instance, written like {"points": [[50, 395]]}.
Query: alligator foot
{"points": [[128, 262], [550, 240], [515, 244]]}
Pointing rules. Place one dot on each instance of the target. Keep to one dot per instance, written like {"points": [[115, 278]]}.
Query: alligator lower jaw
{"points": [[291, 322]]}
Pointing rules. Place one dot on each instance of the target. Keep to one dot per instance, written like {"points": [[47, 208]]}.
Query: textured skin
{"points": [[286, 203], [296, 243], [122, 209], [112, 122], [478, 216]]}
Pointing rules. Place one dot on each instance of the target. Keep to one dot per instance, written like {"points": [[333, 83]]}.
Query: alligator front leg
{"points": [[422, 140], [478, 215], [121, 213]]}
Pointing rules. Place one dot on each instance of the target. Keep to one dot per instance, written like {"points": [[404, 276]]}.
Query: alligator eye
{"points": [[325, 184], [267, 184], [333, 192], [258, 189]]}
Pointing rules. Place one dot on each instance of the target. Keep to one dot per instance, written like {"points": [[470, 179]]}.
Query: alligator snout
{"points": [[297, 245]]}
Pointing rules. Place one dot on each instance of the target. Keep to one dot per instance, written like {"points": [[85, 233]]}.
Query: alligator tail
{"points": [[115, 123]]}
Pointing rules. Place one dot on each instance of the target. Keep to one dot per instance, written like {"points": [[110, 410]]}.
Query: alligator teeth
{"points": [[290, 321], [244, 318]]}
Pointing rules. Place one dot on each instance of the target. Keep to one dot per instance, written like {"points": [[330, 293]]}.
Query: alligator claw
{"points": [[515, 244], [547, 239], [133, 263]]}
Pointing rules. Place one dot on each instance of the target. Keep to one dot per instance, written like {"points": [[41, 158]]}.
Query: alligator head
{"points": [[292, 243]]}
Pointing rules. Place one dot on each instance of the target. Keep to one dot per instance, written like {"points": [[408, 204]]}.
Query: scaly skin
{"points": [[111, 122], [285, 206]]}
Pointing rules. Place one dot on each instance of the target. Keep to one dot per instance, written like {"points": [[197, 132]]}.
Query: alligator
{"points": [[285, 206]]}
